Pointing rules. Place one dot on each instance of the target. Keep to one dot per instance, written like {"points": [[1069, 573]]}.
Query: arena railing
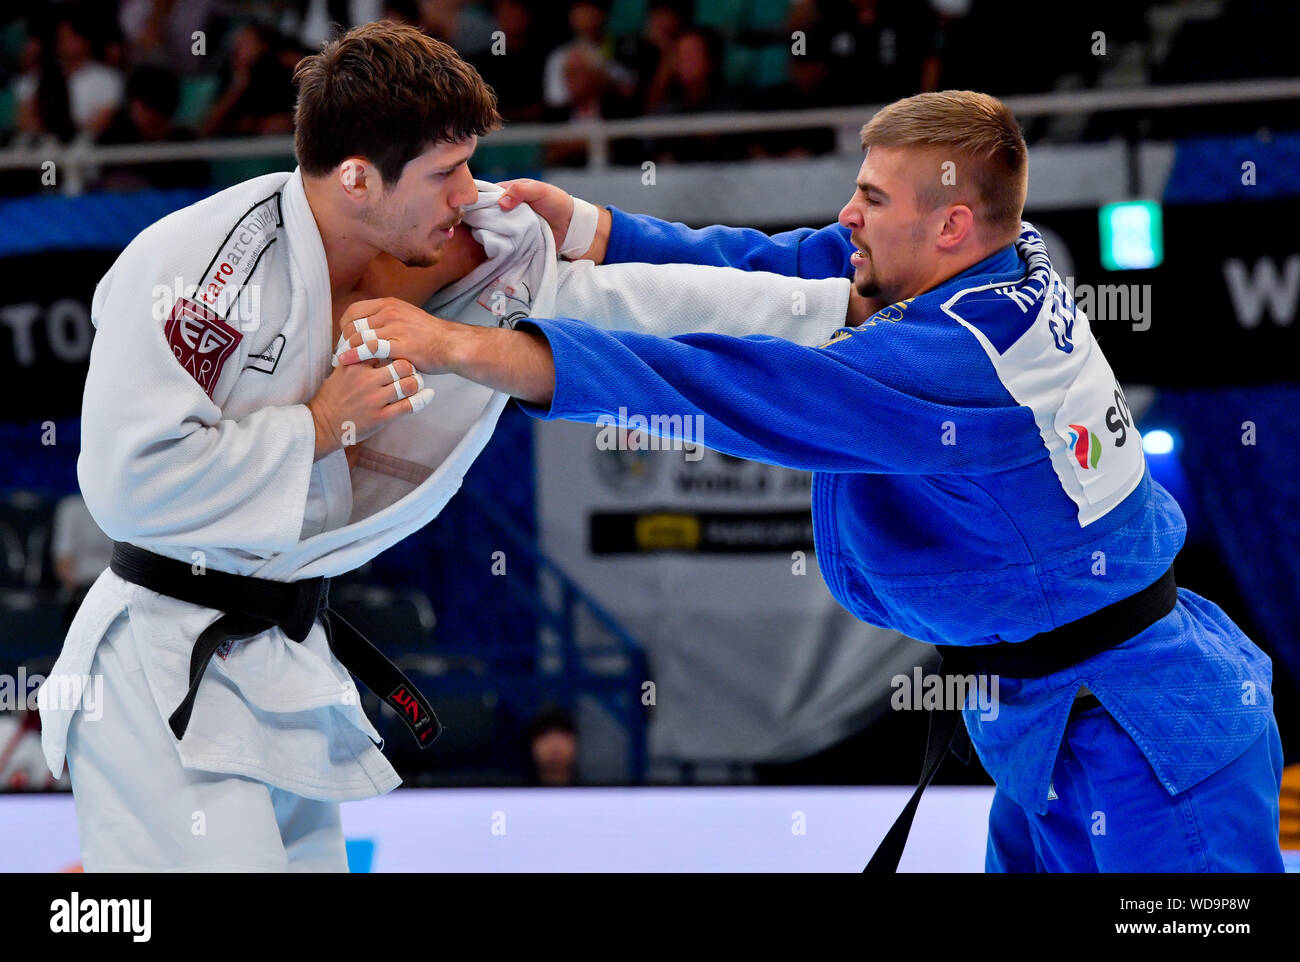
{"points": [[75, 161]]}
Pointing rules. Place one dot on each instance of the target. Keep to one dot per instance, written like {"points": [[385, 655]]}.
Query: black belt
{"points": [[251, 606], [1041, 655]]}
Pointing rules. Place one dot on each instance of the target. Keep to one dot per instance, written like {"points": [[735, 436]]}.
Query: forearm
{"points": [[518, 363], [767, 399]]}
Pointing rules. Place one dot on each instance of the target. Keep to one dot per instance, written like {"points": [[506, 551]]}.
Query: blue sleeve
{"points": [[808, 253], [767, 399]]}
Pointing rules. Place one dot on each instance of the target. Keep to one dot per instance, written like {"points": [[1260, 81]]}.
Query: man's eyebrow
{"points": [[464, 160], [871, 189]]}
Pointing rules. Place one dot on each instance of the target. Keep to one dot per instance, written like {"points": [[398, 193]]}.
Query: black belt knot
{"points": [[252, 605]]}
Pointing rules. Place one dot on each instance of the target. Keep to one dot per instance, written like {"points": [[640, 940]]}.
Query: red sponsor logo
{"points": [[220, 278], [201, 341], [405, 702]]}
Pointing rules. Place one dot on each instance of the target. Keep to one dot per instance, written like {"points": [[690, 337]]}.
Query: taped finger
{"points": [[420, 400], [371, 350], [409, 386]]}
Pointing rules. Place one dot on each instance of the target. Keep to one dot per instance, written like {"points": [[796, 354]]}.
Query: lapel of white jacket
{"points": [[310, 278]]}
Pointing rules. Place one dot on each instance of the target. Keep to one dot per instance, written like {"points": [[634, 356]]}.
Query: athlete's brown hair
{"points": [[386, 92], [978, 134]]}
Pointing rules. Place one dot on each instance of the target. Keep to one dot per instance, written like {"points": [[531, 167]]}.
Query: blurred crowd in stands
{"points": [[147, 71]]}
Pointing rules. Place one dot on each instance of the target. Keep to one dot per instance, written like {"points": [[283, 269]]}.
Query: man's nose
{"points": [[466, 191], [849, 216]]}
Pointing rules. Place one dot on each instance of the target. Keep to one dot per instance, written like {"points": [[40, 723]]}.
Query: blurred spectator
{"points": [[152, 94], [553, 743], [463, 25], [40, 95], [689, 81], [515, 72], [593, 95], [256, 89], [665, 21], [81, 551], [571, 68], [162, 32], [64, 90], [94, 88], [808, 85]]}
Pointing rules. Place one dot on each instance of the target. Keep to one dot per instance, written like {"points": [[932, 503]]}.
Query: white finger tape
{"points": [[392, 372], [373, 349], [582, 228], [420, 400], [400, 393], [361, 324]]}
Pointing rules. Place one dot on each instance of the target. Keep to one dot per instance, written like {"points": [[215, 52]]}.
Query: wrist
{"points": [[518, 363], [327, 441], [581, 232], [600, 243], [463, 353]]}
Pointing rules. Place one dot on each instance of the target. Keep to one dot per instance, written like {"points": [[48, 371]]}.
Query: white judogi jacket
{"points": [[214, 327]]}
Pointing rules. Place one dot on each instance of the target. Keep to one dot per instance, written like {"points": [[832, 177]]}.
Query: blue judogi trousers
{"points": [[1111, 814]]}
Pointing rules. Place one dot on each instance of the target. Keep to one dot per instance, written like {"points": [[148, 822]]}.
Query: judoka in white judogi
{"points": [[197, 445]]}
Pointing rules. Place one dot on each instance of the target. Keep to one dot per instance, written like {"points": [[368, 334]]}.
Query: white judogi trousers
{"points": [[213, 822]]}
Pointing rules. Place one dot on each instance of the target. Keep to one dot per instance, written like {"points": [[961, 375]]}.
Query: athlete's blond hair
{"points": [[979, 135]]}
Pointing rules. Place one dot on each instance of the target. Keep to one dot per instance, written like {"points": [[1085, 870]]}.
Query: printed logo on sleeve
{"points": [[1085, 445], [201, 341]]}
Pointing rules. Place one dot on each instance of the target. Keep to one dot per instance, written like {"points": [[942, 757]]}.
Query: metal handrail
{"points": [[78, 155]]}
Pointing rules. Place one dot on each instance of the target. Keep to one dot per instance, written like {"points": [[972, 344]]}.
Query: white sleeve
{"points": [[159, 463], [671, 299]]}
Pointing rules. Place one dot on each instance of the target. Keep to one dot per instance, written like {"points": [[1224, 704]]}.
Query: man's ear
{"points": [[357, 177], [956, 227]]}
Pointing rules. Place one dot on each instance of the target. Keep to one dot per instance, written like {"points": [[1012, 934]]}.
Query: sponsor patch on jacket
{"points": [[239, 254], [201, 341]]}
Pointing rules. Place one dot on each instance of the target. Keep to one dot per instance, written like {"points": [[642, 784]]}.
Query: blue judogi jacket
{"points": [[977, 479]]}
